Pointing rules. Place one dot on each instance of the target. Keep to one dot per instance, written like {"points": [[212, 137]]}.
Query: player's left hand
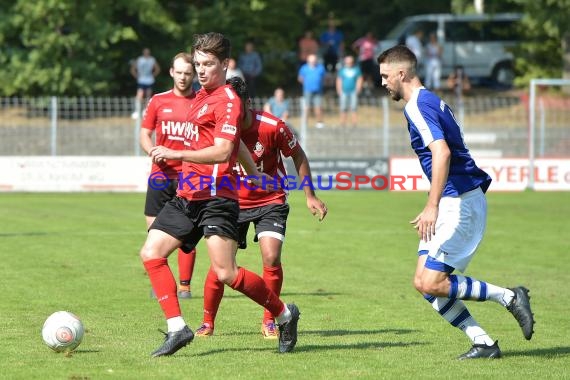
{"points": [[160, 153], [425, 223], [317, 207]]}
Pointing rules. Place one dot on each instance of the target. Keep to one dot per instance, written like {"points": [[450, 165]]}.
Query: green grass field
{"points": [[350, 275]]}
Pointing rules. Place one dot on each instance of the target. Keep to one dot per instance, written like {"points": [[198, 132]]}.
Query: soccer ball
{"points": [[62, 331]]}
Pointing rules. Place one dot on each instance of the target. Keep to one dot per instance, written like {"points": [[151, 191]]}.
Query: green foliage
{"points": [[544, 26], [351, 276], [67, 47]]}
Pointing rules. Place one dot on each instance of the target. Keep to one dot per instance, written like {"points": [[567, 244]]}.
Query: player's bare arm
{"points": [[145, 139], [218, 153], [314, 204], [425, 221]]}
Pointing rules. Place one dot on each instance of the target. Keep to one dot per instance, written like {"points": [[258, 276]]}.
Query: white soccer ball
{"points": [[62, 331]]}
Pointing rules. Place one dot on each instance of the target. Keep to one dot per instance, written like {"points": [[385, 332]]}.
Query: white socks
{"points": [[285, 316], [175, 324]]}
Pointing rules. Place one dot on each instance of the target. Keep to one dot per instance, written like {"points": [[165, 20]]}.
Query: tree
{"points": [[545, 52], [67, 47]]}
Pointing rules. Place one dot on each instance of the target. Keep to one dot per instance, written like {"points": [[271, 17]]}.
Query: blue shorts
{"points": [[314, 98], [141, 86], [348, 101]]}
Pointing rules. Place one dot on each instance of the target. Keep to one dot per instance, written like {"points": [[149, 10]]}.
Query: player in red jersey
{"points": [[207, 202], [166, 117], [268, 139]]}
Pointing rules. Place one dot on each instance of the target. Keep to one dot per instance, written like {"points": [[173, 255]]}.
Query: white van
{"points": [[480, 43]]}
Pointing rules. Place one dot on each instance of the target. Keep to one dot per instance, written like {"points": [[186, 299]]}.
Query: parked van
{"points": [[480, 43]]}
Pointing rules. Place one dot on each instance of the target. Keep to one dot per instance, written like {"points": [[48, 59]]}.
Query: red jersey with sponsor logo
{"points": [[268, 140], [213, 114], [167, 115]]}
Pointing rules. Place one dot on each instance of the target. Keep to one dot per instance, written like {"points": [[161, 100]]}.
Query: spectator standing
{"points": [[415, 44], [348, 86], [311, 76], [251, 66], [365, 46], [434, 52], [144, 69], [307, 45], [332, 45]]}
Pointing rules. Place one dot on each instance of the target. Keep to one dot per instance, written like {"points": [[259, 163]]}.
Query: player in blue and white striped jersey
{"points": [[452, 223]]}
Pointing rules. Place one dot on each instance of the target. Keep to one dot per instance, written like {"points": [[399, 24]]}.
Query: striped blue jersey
{"points": [[429, 119]]}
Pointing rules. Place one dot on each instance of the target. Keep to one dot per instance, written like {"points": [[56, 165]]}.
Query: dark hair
{"points": [[239, 87], [212, 43], [399, 54]]}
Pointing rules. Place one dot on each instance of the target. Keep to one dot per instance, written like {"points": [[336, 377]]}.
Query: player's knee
{"points": [[271, 260], [227, 276], [146, 253], [418, 283], [149, 252], [431, 288]]}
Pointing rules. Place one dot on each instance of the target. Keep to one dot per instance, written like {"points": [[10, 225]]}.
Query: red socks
{"points": [[186, 263], [213, 293], [254, 287], [273, 278], [164, 286]]}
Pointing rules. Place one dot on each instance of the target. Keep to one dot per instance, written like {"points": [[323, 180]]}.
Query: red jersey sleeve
{"points": [[286, 140], [228, 116], [149, 116]]}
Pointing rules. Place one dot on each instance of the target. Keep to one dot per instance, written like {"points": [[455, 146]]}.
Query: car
{"points": [[481, 43]]}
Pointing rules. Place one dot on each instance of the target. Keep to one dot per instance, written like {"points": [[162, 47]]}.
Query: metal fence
{"points": [[494, 126]]}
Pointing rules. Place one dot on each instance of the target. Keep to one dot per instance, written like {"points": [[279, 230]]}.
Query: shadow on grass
{"points": [[357, 332], [544, 352], [228, 293], [321, 347], [82, 352], [326, 333], [22, 234]]}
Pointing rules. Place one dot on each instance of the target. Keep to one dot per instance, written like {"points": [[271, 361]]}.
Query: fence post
{"points": [[386, 127], [53, 112], [531, 124], [542, 125], [138, 121], [303, 124]]}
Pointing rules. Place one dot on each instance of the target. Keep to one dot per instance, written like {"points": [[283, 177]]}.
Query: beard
{"points": [[396, 96]]}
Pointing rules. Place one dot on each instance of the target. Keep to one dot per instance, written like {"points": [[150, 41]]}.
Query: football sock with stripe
{"points": [[467, 288], [455, 312]]}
